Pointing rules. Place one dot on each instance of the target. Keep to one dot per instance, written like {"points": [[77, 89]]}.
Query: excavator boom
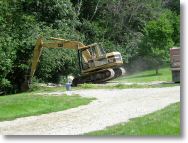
{"points": [[54, 43]]}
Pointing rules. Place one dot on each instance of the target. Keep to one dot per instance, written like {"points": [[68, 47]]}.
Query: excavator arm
{"points": [[55, 43], [36, 55]]}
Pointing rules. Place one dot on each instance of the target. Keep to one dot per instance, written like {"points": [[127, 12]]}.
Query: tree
{"points": [[157, 41]]}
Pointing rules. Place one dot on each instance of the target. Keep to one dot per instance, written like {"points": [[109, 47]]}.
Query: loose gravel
{"points": [[110, 107]]}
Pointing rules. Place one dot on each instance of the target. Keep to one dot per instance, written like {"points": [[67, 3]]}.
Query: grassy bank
{"points": [[148, 76], [165, 122], [27, 104]]}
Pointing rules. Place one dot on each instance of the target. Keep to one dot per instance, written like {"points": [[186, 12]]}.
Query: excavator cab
{"points": [[91, 57], [94, 57]]}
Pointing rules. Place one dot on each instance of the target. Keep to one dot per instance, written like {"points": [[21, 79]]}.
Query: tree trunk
{"points": [[157, 71]]}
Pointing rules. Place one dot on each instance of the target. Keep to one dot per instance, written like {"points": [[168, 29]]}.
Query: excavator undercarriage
{"points": [[99, 76]]}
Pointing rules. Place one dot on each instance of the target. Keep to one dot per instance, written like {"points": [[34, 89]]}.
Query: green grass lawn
{"points": [[27, 104], [148, 76], [165, 122]]}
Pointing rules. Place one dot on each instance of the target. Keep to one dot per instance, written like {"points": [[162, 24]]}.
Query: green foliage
{"points": [[57, 62], [159, 30], [117, 25], [158, 40]]}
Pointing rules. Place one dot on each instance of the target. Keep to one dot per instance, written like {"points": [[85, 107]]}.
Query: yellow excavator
{"points": [[96, 66]]}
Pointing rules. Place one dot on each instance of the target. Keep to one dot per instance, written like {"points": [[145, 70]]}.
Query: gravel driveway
{"points": [[110, 107]]}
